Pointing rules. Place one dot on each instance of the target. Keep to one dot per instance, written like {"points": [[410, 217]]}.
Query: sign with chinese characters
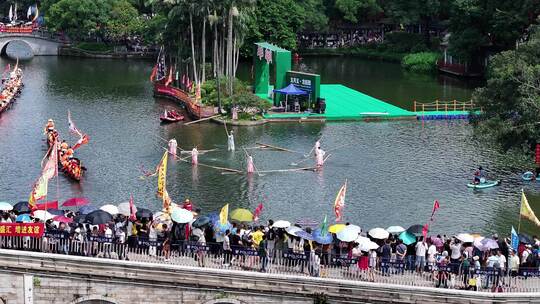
{"points": [[307, 82], [22, 229]]}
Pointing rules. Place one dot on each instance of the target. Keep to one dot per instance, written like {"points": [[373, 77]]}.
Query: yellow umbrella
{"points": [[241, 215], [336, 228]]}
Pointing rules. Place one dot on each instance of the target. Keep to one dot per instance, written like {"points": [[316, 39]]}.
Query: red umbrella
{"points": [[62, 219], [76, 202]]}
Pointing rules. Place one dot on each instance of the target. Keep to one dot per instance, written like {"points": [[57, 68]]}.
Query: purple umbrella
{"points": [[436, 241], [489, 244]]}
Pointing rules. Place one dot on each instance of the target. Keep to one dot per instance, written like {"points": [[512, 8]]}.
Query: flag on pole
{"points": [[82, 141], [339, 202], [435, 207], [10, 13], [324, 227], [257, 212], [132, 209], [170, 78], [425, 230], [162, 174], [38, 192], [29, 12], [50, 169], [515, 239], [167, 202], [224, 215], [72, 128], [526, 211]]}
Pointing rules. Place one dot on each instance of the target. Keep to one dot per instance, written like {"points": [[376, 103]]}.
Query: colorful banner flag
{"points": [[324, 227], [38, 192], [82, 141], [425, 230], [72, 128], [47, 205], [162, 174], [435, 207], [224, 215], [514, 240], [50, 169], [526, 211], [257, 212], [22, 229], [339, 202], [132, 209], [170, 78], [167, 202]]}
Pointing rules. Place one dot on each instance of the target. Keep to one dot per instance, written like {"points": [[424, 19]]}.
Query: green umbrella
{"points": [[407, 238], [241, 215]]}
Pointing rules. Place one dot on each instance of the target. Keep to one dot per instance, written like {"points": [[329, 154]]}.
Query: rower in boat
{"points": [[479, 176], [49, 126]]}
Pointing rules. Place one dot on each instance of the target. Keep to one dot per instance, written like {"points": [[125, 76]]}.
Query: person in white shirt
{"points": [[502, 260], [432, 251], [455, 252], [421, 248]]}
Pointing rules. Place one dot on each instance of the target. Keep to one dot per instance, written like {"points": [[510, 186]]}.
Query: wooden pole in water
{"points": [[278, 148], [199, 120]]}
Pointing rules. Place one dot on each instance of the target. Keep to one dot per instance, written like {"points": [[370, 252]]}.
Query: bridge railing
{"points": [[35, 32], [284, 261], [445, 106]]}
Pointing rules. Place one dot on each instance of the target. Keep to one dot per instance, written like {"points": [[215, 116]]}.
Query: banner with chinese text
{"points": [[22, 229]]}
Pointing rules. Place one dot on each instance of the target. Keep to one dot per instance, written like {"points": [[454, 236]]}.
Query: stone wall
{"points": [[70, 279]]}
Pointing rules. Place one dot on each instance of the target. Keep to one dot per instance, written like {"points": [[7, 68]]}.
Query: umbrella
{"points": [[42, 215], [293, 230], [416, 230], [319, 238], [395, 229], [525, 238], [305, 235], [22, 207], [109, 208], [306, 222], [123, 208], [87, 209], [379, 233], [55, 211], [241, 215], [181, 215], [354, 228], [465, 237], [436, 241], [23, 218], [98, 217], [144, 213], [201, 221], [336, 228], [407, 237], [367, 246], [76, 202], [5, 206], [80, 219], [348, 234], [488, 244], [62, 219], [362, 239], [281, 224]]}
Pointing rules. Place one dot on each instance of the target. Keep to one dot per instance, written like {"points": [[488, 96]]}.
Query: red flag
{"points": [[82, 141], [425, 230], [47, 205], [435, 207], [132, 209], [339, 203], [154, 72], [170, 78], [184, 80], [257, 212]]}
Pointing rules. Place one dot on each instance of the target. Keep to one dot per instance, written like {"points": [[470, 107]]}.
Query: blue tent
{"points": [[291, 89]]}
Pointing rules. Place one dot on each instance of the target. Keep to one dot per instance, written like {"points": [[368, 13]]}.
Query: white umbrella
{"points": [[478, 242], [362, 239], [379, 233], [282, 224], [367, 246], [395, 229], [110, 209], [181, 215], [4, 206], [348, 234], [42, 215], [465, 237], [123, 208], [292, 230]]}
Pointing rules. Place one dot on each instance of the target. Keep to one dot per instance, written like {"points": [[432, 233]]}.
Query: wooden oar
{"points": [[278, 148], [312, 148], [199, 120], [291, 170], [257, 170]]}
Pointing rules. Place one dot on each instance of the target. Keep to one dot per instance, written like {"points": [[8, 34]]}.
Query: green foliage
{"points": [[95, 47], [352, 9], [123, 21], [403, 42], [421, 62], [511, 98]]}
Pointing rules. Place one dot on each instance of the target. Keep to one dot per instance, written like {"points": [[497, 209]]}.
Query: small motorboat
{"points": [[528, 176], [484, 184], [171, 116]]}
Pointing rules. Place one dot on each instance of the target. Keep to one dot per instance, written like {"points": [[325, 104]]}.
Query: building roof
{"points": [[272, 47]]}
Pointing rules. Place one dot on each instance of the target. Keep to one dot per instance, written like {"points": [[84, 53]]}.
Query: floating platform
{"points": [[444, 115], [344, 103]]}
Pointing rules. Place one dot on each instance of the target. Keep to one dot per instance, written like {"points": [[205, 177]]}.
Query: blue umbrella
{"points": [[87, 209], [305, 235], [201, 221], [55, 211], [23, 218], [322, 239], [219, 228]]}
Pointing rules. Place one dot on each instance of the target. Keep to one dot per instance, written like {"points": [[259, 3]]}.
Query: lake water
{"points": [[394, 169]]}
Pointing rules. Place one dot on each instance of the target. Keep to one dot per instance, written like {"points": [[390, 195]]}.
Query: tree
{"points": [[123, 20], [511, 98], [421, 12], [351, 9]]}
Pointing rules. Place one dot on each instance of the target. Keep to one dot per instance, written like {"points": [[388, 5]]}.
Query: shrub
{"points": [[420, 62], [95, 47]]}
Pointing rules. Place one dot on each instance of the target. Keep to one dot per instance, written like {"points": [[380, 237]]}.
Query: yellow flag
{"points": [[224, 215], [526, 211], [39, 191], [162, 174]]}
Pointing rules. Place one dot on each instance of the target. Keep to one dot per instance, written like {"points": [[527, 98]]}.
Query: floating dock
{"points": [[344, 103]]}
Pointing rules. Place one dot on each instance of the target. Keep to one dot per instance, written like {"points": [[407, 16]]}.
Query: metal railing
{"points": [[325, 265]]}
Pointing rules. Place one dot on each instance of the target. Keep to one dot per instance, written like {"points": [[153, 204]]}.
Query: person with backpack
{"points": [[271, 241], [263, 253]]}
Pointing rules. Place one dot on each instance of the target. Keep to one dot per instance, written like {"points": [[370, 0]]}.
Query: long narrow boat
{"points": [[11, 89], [71, 167]]}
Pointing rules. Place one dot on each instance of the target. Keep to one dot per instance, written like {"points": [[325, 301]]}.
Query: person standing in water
{"points": [[194, 156], [250, 166], [230, 141], [319, 157], [172, 147]]}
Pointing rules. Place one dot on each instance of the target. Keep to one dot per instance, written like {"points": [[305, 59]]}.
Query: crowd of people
{"points": [[345, 38], [446, 261]]}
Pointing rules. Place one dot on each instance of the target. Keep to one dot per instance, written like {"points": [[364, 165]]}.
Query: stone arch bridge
{"points": [[26, 46]]}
